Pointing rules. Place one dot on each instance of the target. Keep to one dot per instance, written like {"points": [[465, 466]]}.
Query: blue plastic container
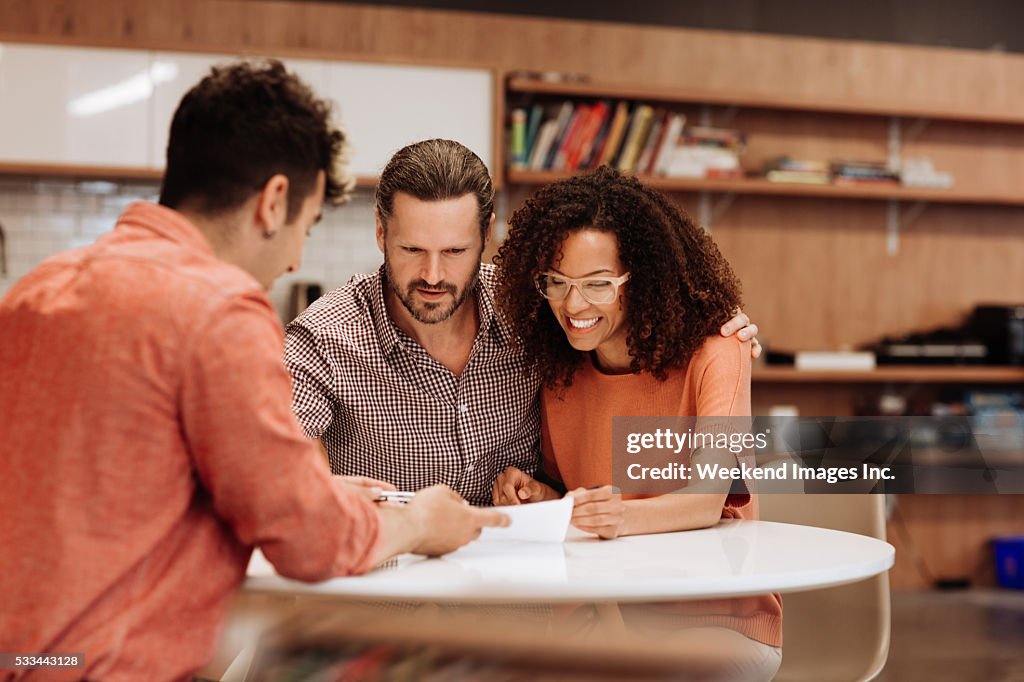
{"points": [[1010, 562]]}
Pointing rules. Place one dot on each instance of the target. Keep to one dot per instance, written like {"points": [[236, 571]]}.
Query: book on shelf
{"points": [[562, 122], [545, 138], [919, 172], [589, 159], [667, 147], [517, 138], [800, 177], [653, 138], [615, 134], [639, 126], [706, 136], [571, 137], [533, 122], [855, 172], [589, 129], [703, 152], [724, 173], [863, 180], [789, 163], [807, 360], [803, 171]]}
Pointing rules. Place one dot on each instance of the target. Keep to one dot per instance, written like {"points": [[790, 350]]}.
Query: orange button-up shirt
{"points": [[146, 445]]}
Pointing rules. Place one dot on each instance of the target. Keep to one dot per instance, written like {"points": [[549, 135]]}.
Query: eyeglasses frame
{"points": [[577, 282]]}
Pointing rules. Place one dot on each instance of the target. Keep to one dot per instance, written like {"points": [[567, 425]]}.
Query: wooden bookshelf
{"points": [[752, 99], [788, 189], [896, 374]]}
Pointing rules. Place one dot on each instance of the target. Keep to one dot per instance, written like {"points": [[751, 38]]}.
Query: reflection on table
{"points": [[734, 558]]}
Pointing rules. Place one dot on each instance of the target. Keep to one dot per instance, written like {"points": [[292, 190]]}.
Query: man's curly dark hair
{"points": [[243, 123], [680, 290]]}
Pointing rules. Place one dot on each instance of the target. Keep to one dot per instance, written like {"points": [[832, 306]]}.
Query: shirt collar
{"points": [[383, 326], [166, 222]]}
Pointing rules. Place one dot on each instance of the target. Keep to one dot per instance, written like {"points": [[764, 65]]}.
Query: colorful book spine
{"points": [[669, 141], [563, 120], [533, 121], [588, 134], [545, 137], [638, 130], [572, 136], [517, 138], [643, 163], [615, 134]]}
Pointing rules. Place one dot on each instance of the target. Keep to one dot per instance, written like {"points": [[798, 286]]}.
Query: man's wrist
{"points": [[402, 530]]}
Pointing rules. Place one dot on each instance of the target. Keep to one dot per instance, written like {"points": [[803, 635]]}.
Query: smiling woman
{"points": [[616, 297], [605, 225]]}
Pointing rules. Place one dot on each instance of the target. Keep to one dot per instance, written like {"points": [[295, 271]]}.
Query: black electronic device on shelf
{"points": [[945, 346], [1001, 328]]}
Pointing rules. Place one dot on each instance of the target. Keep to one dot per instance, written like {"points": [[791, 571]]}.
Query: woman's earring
{"points": [[268, 234]]}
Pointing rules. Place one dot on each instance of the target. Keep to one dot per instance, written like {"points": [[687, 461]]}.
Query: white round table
{"points": [[732, 559]]}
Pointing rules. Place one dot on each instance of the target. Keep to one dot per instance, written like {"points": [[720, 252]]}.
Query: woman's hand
{"points": [[599, 510], [517, 487]]}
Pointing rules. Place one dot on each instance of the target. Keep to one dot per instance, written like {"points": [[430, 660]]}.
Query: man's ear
{"points": [[488, 231], [272, 206], [380, 231]]}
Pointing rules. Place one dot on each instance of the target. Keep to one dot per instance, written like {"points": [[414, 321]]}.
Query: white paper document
{"points": [[536, 522]]}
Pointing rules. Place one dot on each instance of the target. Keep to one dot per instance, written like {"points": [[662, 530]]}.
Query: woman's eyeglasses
{"points": [[595, 290]]}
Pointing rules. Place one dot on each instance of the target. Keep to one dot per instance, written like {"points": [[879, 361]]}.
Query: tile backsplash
{"points": [[41, 217]]}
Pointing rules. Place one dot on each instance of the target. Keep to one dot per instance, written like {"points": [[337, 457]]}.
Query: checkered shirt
{"points": [[385, 408]]}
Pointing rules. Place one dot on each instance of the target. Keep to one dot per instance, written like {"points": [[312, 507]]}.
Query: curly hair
{"points": [[240, 125], [680, 291]]}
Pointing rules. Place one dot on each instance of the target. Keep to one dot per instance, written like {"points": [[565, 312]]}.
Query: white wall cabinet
{"points": [[113, 108], [74, 106], [182, 70], [385, 107]]}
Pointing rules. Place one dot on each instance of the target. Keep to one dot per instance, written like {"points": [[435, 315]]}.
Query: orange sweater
{"points": [[577, 445], [146, 444]]}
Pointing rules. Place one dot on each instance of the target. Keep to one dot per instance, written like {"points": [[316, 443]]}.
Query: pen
{"points": [[399, 496]]}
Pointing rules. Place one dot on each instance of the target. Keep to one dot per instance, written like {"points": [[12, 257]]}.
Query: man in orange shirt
{"points": [[146, 438]]}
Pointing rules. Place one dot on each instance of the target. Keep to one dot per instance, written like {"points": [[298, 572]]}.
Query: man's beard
{"points": [[425, 311]]}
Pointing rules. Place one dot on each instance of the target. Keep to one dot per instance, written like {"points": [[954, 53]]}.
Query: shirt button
{"points": [[463, 408], [469, 468]]}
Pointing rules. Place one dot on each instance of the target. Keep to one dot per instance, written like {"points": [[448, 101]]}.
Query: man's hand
{"points": [[445, 522], [513, 486], [745, 330], [600, 511]]}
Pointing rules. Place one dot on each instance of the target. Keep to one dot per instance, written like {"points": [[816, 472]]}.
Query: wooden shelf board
{"points": [[764, 187], [756, 100], [79, 172], [84, 172], [927, 374]]}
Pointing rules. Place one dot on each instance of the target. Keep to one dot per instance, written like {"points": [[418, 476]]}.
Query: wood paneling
{"points": [[813, 69], [950, 535], [816, 273]]}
